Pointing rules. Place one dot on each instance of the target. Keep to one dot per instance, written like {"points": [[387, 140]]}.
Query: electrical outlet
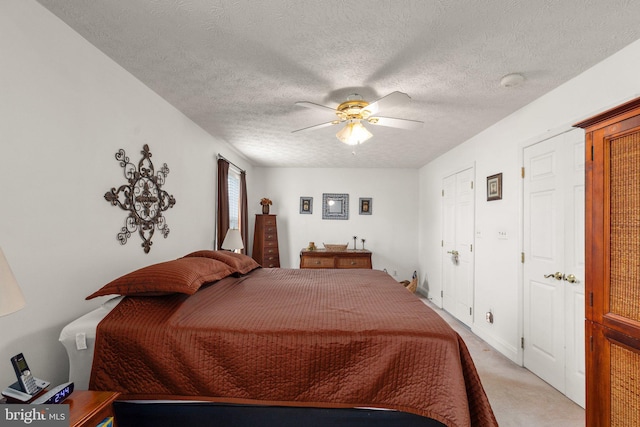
{"points": [[489, 317]]}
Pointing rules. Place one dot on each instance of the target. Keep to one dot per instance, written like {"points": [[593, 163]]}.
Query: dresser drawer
{"points": [[271, 261], [271, 237], [356, 262], [269, 221], [316, 262]]}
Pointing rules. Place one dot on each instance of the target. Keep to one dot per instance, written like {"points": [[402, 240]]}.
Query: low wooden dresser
{"points": [[265, 242], [322, 258]]}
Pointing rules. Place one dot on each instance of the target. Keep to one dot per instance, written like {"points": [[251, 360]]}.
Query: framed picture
{"points": [[365, 205], [306, 205], [494, 187], [335, 206]]}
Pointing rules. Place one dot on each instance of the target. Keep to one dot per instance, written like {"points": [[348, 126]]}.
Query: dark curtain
{"points": [[244, 216], [223, 202]]}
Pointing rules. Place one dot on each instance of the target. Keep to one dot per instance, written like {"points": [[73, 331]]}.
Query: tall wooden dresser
{"points": [[265, 242], [612, 259]]}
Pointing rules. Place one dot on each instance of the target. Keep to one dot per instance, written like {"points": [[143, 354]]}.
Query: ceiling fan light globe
{"points": [[353, 133]]}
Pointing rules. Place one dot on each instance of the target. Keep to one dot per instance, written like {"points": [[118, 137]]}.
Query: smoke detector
{"points": [[512, 80]]}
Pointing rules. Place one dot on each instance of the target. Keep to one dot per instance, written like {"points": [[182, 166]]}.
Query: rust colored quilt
{"points": [[331, 338]]}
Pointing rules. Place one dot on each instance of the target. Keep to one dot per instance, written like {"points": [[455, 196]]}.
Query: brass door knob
{"points": [[571, 278]]}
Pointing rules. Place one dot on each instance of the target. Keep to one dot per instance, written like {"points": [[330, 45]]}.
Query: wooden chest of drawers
{"points": [[321, 258], [265, 242]]}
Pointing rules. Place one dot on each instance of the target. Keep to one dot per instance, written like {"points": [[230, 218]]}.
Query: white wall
{"points": [[498, 284], [65, 110], [389, 232]]}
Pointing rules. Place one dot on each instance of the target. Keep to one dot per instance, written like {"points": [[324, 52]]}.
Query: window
{"points": [[233, 183]]}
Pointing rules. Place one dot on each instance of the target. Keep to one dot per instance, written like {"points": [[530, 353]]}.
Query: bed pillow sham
{"points": [[240, 263], [183, 275]]}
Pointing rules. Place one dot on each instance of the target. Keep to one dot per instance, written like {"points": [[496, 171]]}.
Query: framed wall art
{"points": [[365, 205], [306, 205], [494, 187], [335, 206]]}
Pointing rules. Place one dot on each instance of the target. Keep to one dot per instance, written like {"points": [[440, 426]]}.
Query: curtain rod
{"points": [[220, 156]]}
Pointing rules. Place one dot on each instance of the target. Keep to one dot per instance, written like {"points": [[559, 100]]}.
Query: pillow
{"points": [[238, 262], [184, 275]]}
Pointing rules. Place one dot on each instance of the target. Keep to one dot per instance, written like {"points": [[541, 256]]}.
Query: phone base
{"points": [[14, 391]]}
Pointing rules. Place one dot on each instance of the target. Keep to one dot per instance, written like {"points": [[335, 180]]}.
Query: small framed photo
{"points": [[494, 187], [365, 205], [306, 205]]}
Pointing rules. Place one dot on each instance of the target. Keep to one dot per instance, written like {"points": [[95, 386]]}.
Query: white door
{"points": [[554, 262], [457, 245]]}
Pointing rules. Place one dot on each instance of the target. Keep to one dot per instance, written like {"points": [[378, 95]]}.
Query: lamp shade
{"points": [[11, 298], [233, 240]]}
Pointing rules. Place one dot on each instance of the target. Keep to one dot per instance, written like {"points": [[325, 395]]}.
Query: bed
{"points": [[235, 335]]}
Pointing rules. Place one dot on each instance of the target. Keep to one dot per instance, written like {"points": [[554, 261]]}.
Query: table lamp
{"points": [[11, 298], [233, 240]]}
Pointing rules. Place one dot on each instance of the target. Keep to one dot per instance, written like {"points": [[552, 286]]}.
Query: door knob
{"points": [[454, 253], [571, 278], [557, 275]]}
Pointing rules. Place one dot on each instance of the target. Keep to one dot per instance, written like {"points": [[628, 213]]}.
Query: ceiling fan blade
{"points": [[316, 106], [392, 100], [320, 126], [395, 123]]}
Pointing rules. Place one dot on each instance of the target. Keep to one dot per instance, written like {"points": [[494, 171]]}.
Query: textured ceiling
{"points": [[236, 67]]}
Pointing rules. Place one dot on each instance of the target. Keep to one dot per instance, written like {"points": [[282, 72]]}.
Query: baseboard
{"points": [[506, 349]]}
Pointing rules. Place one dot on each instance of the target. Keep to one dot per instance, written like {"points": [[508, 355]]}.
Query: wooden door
{"points": [[457, 245], [554, 266], [613, 266]]}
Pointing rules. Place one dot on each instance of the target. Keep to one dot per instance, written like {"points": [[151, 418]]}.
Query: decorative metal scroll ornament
{"points": [[143, 197]]}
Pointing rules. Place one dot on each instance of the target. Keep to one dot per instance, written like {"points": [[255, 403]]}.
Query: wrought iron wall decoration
{"points": [[143, 197]]}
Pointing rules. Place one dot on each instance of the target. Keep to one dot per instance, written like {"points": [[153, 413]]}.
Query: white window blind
{"points": [[233, 182]]}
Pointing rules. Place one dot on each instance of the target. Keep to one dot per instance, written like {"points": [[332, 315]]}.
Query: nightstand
{"points": [[89, 408]]}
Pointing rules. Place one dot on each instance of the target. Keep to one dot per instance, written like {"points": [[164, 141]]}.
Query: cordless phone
{"points": [[26, 381]]}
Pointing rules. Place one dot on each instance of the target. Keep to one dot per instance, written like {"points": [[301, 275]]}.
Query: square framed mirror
{"points": [[335, 206]]}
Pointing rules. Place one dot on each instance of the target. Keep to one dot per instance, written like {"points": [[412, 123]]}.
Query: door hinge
{"points": [[522, 257], [590, 299], [472, 185], [442, 193], [591, 342], [471, 248], [522, 342], [522, 172], [441, 294], [470, 311], [442, 243], [592, 153]]}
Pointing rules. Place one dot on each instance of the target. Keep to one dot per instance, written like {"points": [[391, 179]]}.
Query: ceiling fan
{"points": [[355, 111]]}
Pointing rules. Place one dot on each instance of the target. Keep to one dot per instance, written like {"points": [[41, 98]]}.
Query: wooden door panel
{"points": [[612, 305], [614, 364]]}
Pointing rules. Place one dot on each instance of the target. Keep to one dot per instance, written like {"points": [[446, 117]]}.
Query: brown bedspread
{"points": [[329, 338]]}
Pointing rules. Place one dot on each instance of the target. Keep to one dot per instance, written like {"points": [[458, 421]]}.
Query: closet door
{"points": [[457, 245], [613, 266], [554, 267]]}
